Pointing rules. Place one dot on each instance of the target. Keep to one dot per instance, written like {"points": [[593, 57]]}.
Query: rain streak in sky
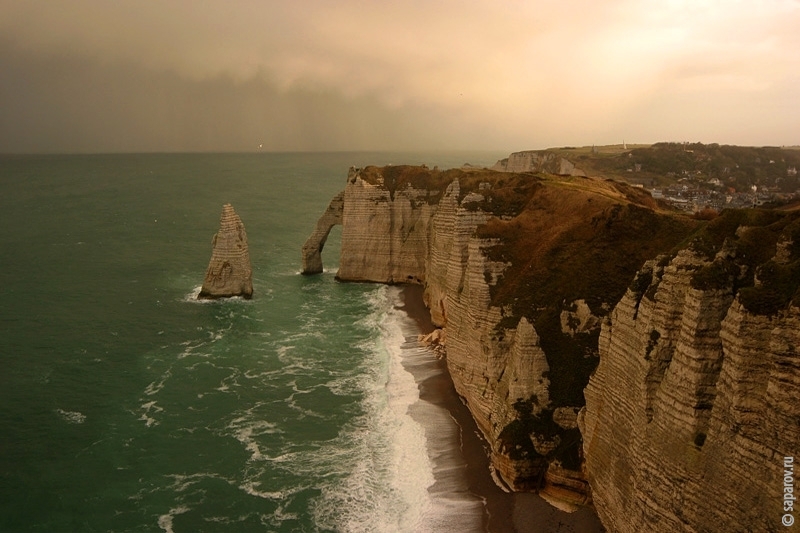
{"points": [[98, 76]]}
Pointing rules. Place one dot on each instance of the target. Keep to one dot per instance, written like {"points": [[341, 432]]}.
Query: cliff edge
{"points": [[538, 161], [610, 350], [518, 269]]}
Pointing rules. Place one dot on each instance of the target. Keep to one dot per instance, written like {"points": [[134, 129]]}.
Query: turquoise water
{"points": [[126, 405]]}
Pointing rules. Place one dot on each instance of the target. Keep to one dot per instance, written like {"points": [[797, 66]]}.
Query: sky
{"points": [[207, 75]]}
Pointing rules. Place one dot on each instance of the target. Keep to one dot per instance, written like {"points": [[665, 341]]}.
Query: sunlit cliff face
{"points": [[352, 75]]}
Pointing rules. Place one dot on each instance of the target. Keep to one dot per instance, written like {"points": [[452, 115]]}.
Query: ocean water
{"points": [[127, 405]]}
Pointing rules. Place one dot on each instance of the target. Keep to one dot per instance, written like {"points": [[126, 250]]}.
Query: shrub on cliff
{"points": [[720, 275], [516, 438], [778, 287]]}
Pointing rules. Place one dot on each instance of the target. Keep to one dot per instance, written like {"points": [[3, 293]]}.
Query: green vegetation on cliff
{"points": [[515, 439], [576, 238], [750, 239]]}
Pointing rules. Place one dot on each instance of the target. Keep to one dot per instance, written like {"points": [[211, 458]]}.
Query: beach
{"points": [[504, 512]]}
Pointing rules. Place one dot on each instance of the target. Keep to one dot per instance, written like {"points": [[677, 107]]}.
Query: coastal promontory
{"points": [[613, 351], [509, 263]]}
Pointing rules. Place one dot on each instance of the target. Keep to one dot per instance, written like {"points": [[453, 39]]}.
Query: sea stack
{"points": [[229, 272]]}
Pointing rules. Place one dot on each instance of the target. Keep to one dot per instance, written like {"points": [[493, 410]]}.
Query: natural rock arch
{"points": [[312, 249]]}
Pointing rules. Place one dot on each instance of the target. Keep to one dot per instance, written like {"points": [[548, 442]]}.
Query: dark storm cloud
{"points": [[90, 75], [66, 104]]}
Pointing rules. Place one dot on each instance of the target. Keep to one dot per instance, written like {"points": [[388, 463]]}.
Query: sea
{"points": [[127, 405]]}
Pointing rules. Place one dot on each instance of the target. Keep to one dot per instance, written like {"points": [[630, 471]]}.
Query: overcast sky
{"points": [[191, 75]]}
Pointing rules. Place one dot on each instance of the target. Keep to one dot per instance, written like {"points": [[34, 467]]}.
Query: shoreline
{"points": [[505, 512]]}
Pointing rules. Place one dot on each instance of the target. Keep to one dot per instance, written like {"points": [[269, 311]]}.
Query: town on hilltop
{"points": [[695, 177]]}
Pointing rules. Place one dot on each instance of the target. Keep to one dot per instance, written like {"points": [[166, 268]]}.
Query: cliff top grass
{"points": [[398, 177], [509, 191], [580, 238]]}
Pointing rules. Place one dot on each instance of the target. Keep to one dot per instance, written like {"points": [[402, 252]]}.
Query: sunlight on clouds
{"points": [[507, 67]]}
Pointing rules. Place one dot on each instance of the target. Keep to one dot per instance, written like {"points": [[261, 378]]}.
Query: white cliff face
{"points": [[692, 408], [538, 161], [402, 236], [384, 234], [450, 248]]}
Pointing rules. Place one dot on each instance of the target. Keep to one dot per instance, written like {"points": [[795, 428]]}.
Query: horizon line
{"points": [[373, 150]]}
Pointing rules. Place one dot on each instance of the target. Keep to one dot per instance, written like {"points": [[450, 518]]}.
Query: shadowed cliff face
{"points": [[536, 279], [698, 383]]}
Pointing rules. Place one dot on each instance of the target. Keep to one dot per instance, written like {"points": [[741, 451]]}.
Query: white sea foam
{"points": [[73, 417], [292, 403], [193, 296], [148, 408], [156, 386], [395, 455], [165, 520], [246, 428], [251, 488]]}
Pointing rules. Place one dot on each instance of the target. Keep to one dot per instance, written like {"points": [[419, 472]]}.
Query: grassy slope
{"points": [[663, 163], [576, 239]]}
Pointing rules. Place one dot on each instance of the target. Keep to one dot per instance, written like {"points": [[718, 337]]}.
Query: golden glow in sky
{"points": [[95, 75]]}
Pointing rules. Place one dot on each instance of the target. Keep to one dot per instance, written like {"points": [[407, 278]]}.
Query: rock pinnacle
{"points": [[229, 272]]}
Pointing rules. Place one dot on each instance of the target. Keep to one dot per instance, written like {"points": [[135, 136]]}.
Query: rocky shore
{"points": [[506, 512]]}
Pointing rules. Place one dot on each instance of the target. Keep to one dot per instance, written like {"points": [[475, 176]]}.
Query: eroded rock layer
{"points": [[312, 249], [535, 278], [538, 161], [694, 404], [229, 272], [490, 249]]}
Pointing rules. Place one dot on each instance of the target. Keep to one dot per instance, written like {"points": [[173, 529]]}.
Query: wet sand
{"points": [[505, 512]]}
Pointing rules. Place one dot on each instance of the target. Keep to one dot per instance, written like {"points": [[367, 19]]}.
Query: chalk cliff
{"points": [[229, 272], [694, 404], [535, 279], [538, 161], [491, 249], [312, 249]]}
